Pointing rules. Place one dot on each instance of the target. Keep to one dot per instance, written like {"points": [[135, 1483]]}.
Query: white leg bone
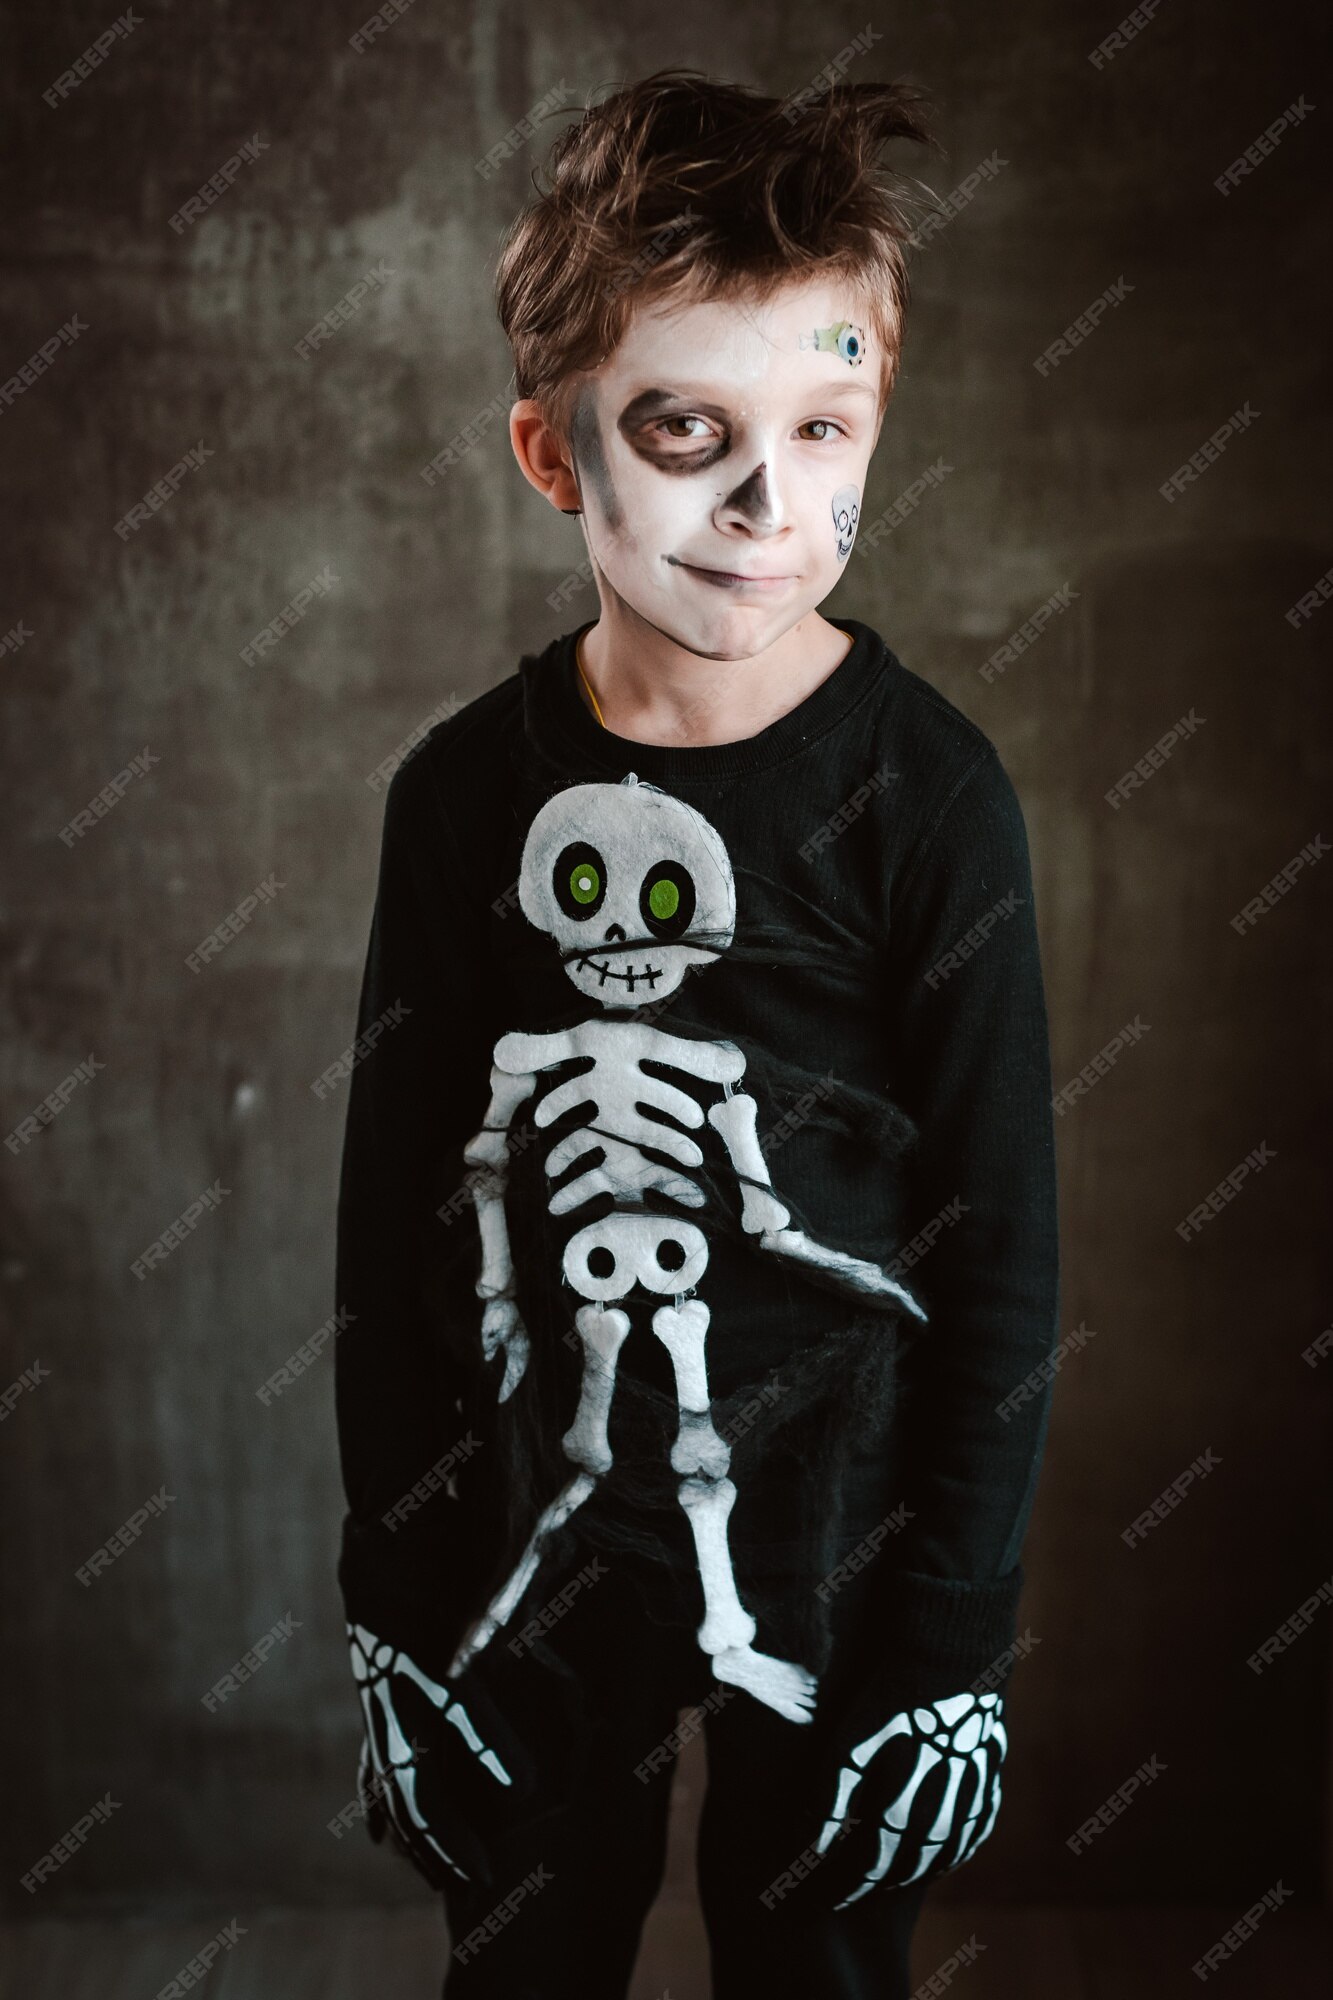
{"points": [[698, 1448], [728, 1628], [727, 1623], [502, 1604], [602, 1330]]}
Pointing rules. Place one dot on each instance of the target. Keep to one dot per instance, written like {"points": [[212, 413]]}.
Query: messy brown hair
{"points": [[681, 187]]}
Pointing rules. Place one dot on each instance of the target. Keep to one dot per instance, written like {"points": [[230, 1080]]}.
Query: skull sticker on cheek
{"points": [[846, 505]]}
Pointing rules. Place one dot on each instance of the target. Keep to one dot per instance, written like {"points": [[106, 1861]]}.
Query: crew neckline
{"points": [[556, 704]]}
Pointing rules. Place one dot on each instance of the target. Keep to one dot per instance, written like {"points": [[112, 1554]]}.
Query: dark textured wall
{"points": [[258, 775]]}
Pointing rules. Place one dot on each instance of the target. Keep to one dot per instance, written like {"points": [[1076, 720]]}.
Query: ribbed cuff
{"points": [[949, 1633], [407, 1587], [931, 1637]]}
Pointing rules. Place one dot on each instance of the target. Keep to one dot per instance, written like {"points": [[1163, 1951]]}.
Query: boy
{"points": [[697, 1221]]}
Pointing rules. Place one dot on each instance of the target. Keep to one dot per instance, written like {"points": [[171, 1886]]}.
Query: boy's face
{"points": [[721, 455]]}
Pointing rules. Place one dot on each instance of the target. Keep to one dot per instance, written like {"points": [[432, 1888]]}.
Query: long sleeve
{"points": [[970, 1063], [412, 1102]]}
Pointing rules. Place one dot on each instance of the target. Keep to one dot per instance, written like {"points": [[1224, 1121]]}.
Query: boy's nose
{"points": [[757, 500]]}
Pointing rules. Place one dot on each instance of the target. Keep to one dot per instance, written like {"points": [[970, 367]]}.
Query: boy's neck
{"points": [[659, 693]]}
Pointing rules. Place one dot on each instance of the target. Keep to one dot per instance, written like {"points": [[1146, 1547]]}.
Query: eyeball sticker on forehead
{"points": [[844, 339], [846, 504]]}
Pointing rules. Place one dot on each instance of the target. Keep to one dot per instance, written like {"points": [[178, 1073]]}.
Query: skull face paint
{"points": [[708, 447], [754, 498], [846, 514], [590, 459]]}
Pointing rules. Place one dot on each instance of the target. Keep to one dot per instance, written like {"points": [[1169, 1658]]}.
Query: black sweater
{"points": [[882, 979]]}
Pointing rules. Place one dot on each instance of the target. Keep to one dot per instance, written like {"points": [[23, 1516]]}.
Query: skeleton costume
{"points": [[697, 1252]]}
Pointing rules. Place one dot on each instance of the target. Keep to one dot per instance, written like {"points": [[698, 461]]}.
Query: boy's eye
{"points": [[685, 420], [825, 425]]}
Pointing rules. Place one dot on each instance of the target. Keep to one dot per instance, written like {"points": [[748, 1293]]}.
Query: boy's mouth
{"points": [[723, 579]]}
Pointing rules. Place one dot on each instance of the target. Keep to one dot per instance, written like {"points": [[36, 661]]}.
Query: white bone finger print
{"points": [[966, 1734], [387, 1762], [634, 887]]}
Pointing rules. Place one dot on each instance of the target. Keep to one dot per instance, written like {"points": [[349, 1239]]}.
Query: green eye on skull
{"points": [[663, 899], [579, 880], [584, 883], [666, 899]]}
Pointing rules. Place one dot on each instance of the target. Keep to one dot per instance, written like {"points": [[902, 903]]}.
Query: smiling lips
{"points": [[731, 580]]}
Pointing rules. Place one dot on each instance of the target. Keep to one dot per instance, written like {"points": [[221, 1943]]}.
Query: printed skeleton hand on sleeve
{"points": [[916, 1797], [395, 1692]]}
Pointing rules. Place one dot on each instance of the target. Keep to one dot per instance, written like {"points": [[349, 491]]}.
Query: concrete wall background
{"points": [[260, 770]]}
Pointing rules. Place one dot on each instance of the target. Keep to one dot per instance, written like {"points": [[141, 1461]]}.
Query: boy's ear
{"points": [[542, 457]]}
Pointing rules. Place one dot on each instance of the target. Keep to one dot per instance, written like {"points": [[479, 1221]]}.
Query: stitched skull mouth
{"points": [[648, 977]]}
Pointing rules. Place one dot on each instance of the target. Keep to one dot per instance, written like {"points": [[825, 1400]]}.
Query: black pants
{"points": [[577, 1863]]}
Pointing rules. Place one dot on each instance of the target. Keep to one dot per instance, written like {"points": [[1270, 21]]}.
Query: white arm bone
{"points": [[763, 1215], [488, 1153]]}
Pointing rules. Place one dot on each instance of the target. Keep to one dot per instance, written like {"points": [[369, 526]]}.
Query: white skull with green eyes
{"points": [[606, 867]]}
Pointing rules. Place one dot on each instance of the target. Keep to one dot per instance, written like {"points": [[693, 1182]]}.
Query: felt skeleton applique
{"points": [[628, 882]]}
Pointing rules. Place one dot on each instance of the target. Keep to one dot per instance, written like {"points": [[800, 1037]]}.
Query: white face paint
{"points": [[720, 452]]}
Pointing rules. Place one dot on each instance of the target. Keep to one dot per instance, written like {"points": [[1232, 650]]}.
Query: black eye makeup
{"points": [[656, 433], [663, 437]]}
